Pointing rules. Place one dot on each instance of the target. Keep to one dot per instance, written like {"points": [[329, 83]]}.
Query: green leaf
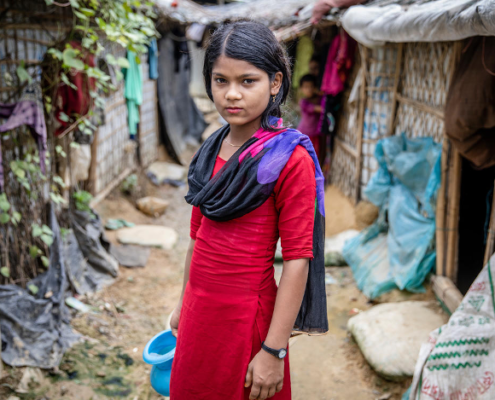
{"points": [[80, 15], [123, 62], [34, 251], [74, 3], [45, 261], [58, 149], [49, 2], [17, 216], [23, 75], [47, 239], [5, 272], [46, 229], [64, 117], [59, 181], [111, 59], [36, 230], [71, 60], [4, 204], [55, 54], [75, 145], [57, 199], [88, 12], [119, 75], [4, 218], [33, 289], [87, 42], [20, 173], [67, 82]]}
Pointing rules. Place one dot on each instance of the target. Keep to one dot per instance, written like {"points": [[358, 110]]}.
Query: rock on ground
{"points": [[149, 235]]}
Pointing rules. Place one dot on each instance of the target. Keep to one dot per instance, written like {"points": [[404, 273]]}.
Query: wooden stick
{"points": [[440, 213], [112, 185], [421, 106], [398, 66], [490, 242], [447, 292], [360, 126], [454, 197], [346, 147]]}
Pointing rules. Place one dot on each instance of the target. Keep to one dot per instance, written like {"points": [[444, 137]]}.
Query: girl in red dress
{"points": [[250, 183]]}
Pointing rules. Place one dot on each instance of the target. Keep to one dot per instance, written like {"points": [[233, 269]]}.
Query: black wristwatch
{"points": [[280, 354]]}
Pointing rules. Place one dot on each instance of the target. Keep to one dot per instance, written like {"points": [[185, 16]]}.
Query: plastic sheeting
{"points": [[433, 21], [182, 120], [398, 251], [35, 328]]}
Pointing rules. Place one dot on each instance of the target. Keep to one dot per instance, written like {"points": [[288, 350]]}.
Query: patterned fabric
{"points": [[27, 111], [245, 182]]}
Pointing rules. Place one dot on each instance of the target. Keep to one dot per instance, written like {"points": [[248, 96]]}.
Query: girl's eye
{"points": [[220, 80], [248, 81]]}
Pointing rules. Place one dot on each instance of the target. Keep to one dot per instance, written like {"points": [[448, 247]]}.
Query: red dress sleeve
{"points": [[295, 195], [196, 217]]}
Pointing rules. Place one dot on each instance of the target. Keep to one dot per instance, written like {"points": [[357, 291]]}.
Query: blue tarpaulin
{"points": [[398, 250]]}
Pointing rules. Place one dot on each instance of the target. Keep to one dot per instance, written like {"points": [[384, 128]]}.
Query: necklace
{"points": [[230, 144]]}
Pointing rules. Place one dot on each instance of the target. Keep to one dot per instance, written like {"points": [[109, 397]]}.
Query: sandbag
{"points": [[470, 106], [390, 335], [457, 362]]}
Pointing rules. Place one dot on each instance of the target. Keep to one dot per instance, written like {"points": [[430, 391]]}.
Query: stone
{"points": [[152, 206], [390, 335], [130, 256], [334, 246], [30, 377], [163, 170], [149, 236]]}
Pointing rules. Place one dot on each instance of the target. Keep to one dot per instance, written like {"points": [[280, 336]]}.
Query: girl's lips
{"points": [[233, 110]]}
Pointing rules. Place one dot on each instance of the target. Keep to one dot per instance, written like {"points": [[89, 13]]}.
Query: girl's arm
{"points": [[265, 372], [174, 321], [295, 201]]}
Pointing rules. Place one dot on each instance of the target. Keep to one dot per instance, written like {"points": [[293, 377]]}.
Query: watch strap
{"points": [[280, 354]]}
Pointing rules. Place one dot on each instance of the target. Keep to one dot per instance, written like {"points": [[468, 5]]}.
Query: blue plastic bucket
{"points": [[159, 352]]}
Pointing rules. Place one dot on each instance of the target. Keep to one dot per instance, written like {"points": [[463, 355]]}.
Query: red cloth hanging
{"points": [[74, 103]]}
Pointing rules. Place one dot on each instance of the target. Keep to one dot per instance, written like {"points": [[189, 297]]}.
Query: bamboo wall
{"points": [[406, 87]]}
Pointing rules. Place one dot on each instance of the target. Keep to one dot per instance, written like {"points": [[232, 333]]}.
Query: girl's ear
{"points": [[276, 83]]}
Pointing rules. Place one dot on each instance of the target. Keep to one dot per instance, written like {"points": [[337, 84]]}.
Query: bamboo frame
{"points": [[362, 105], [440, 213], [395, 95], [490, 242]]}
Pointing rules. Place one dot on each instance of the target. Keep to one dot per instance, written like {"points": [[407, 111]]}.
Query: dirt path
{"points": [[136, 306]]}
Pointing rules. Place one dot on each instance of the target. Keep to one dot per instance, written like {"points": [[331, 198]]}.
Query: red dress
{"points": [[230, 296]]}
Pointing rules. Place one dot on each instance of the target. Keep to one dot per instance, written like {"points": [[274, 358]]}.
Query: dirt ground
{"points": [[108, 363]]}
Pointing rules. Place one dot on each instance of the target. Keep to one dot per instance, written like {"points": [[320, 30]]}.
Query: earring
{"points": [[274, 96]]}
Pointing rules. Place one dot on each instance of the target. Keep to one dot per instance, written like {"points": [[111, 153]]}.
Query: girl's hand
{"points": [[174, 321], [266, 375]]}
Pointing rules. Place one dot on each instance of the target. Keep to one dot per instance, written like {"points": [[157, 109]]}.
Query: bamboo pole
{"points": [[454, 197], [490, 243], [395, 94], [441, 208], [362, 105]]}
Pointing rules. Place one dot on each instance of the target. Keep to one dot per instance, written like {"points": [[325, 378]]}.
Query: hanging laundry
{"points": [[74, 102], [304, 52], [470, 106], [339, 63], [27, 111], [133, 92], [153, 59]]}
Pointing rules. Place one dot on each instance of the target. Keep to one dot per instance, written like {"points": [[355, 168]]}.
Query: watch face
{"points": [[282, 353]]}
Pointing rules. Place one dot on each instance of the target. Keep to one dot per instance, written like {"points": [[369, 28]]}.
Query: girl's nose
{"points": [[233, 94]]}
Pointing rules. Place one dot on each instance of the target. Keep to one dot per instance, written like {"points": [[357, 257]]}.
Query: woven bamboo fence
{"points": [[27, 29], [406, 90]]}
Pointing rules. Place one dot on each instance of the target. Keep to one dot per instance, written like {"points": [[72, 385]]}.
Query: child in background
{"points": [[310, 105]]}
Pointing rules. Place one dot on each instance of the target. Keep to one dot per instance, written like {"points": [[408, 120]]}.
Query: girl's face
{"points": [[241, 91]]}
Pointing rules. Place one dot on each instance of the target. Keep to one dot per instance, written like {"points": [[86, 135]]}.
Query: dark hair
{"points": [[256, 44], [308, 78]]}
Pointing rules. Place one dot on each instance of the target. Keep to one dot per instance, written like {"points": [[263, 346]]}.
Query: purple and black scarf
{"points": [[245, 182]]}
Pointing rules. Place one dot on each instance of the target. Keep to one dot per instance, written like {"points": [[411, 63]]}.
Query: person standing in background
{"points": [[311, 108]]}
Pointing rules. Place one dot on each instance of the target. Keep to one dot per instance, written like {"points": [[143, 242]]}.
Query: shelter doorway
{"points": [[476, 201]]}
